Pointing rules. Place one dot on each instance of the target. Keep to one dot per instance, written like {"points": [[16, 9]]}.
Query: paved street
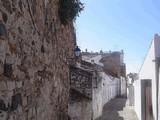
{"points": [[118, 109]]}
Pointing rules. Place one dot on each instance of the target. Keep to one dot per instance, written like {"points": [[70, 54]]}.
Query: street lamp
{"points": [[77, 52]]}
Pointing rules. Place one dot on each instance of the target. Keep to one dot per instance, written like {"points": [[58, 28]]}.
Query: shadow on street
{"points": [[110, 110]]}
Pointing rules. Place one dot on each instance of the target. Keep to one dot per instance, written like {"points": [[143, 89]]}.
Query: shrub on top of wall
{"points": [[69, 10]]}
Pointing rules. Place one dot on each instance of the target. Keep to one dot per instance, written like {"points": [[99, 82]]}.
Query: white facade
{"points": [[107, 88], [123, 85], [148, 71], [93, 58]]}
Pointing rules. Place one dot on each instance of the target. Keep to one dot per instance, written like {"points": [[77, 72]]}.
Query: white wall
{"points": [[110, 87], [106, 90], [97, 100], [137, 99], [96, 59], [148, 71], [123, 85]]}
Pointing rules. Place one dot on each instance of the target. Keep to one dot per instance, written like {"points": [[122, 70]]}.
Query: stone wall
{"points": [[80, 102], [81, 110], [81, 81], [34, 76]]}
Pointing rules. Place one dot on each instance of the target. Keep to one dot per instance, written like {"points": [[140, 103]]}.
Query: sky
{"points": [[116, 25]]}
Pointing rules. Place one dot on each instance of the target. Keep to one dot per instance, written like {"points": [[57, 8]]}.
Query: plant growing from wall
{"points": [[69, 10]]}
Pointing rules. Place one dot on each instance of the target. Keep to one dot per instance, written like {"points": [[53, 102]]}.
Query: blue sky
{"points": [[119, 24]]}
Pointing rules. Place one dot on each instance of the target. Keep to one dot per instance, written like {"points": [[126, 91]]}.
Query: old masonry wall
{"points": [[34, 45]]}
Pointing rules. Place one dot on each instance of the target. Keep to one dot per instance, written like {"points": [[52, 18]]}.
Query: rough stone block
{"points": [[2, 106], [8, 70], [10, 93], [21, 75], [16, 100], [3, 115], [42, 49], [30, 114], [22, 68], [1, 67], [9, 59], [10, 118], [15, 72], [19, 84], [3, 31], [24, 101], [4, 16], [3, 86], [11, 85], [7, 5]]}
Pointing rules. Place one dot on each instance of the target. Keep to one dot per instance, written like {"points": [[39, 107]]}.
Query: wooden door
{"points": [[146, 94]]}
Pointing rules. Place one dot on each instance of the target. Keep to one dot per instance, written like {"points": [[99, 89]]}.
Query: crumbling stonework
{"points": [[80, 102], [81, 81], [34, 76]]}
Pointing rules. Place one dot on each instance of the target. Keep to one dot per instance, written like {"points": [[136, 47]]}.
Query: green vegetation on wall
{"points": [[69, 10]]}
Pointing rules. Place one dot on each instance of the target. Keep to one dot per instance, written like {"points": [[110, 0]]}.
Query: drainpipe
{"points": [[158, 86], [157, 67], [158, 98]]}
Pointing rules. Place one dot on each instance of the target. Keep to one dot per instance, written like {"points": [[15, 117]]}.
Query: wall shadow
{"points": [[110, 110]]}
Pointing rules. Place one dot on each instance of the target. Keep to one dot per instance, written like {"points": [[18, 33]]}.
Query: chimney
{"points": [[122, 51], [101, 52]]}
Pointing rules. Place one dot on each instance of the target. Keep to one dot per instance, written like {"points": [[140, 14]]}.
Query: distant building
{"points": [[113, 62]]}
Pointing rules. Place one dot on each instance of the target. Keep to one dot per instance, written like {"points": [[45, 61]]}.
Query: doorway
{"points": [[146, 94]]}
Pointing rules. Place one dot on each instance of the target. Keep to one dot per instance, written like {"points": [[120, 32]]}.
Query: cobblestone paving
{"points": [[118, 109]]}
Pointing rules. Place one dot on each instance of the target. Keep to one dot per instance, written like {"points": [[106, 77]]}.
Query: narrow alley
{"points": [[118, 109]]}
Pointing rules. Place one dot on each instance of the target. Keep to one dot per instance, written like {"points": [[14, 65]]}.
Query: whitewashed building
{"points": [[106, 89], [146, 87], [106, 86]]}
